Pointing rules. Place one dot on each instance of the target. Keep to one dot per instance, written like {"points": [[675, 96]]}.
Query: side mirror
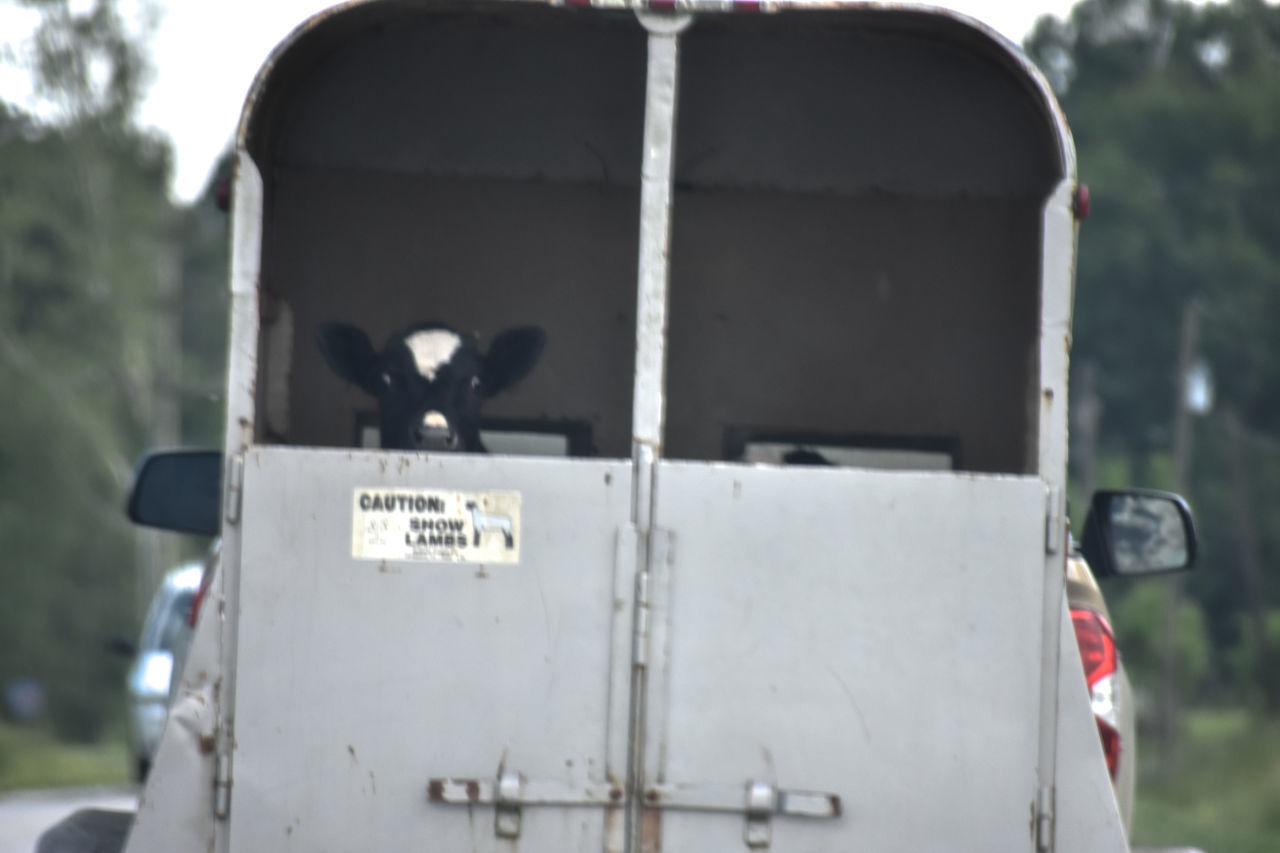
{"points": [[178, 490], [1134, 532]]}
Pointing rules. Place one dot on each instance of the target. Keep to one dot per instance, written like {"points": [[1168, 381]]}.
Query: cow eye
{"points": [[386, 379], [475, 383]]}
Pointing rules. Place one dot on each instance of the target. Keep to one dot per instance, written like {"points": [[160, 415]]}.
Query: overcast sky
{"points": [[206, 56]]}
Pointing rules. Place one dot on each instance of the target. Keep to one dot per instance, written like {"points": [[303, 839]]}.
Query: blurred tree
{"points": [[1243, 663], [84, 231], [204, 312], [1176, 114], [1139, 623], [86, 63]]}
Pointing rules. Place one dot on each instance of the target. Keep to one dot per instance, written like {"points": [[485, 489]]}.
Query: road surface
{"points": [[26, 814]]}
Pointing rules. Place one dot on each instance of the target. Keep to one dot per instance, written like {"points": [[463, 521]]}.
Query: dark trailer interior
{"points": [[855, 253]]}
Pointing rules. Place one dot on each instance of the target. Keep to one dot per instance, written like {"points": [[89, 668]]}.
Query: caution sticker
{"points": [[435, 526]]}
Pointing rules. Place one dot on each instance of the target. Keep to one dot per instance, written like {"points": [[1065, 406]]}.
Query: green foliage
{"points": [[91, 255], [1223, 796], [31, 758], [74, 298], [1179, 152], [204, 313], [1242, 658], [84, 62], [1175, 109], [1139, 622]]}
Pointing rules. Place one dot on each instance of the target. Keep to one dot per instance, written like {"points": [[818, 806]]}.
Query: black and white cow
{"points": [[430, 380]]}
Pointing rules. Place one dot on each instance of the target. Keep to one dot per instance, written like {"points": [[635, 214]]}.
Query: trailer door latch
{"points": [[759, 803]]}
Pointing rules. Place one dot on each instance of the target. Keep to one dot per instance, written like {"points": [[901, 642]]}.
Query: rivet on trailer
{"points": [[782, 558]]}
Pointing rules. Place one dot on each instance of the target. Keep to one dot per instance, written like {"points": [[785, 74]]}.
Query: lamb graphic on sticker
{"points": [[485, 522]]}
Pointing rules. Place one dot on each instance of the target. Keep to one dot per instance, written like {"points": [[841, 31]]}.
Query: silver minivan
{"points": [[166, 632]]}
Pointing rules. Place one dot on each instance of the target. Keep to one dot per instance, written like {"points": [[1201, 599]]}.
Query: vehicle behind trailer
{"points": [[165, 634]]}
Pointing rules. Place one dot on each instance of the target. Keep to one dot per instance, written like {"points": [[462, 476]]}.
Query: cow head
{"points": [[430, 380]]}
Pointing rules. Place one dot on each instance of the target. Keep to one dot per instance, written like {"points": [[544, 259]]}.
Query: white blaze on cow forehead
{"points": [[432, 349]]}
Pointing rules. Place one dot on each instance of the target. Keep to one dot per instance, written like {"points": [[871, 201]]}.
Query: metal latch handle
{"points": [[512, 790], [761, 802]]}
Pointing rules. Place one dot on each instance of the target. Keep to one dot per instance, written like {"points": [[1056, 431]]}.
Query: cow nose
{"points": [[434, 433]]}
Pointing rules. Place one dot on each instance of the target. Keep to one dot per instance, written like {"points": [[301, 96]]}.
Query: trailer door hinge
{"points": [[222, 786], [235, 487], [640, 630], [1055, 524], [1044, 819]]}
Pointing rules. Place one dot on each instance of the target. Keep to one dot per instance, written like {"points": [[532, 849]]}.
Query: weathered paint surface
{"points": [[842, 642], [495, 688]]}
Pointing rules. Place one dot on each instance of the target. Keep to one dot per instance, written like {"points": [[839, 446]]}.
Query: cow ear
{"points": [[349, 354], [510, 358]]}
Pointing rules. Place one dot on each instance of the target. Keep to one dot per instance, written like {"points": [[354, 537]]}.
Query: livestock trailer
{"points": [[755, 234]]}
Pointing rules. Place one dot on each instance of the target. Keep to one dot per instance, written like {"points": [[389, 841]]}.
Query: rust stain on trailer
{"points": [[837, 807], [615, 813], [650, 829], [614, 829], [436, 790]]}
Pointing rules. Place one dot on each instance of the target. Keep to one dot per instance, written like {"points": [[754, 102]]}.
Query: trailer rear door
{"points": [[359, 679], [866, 634]]}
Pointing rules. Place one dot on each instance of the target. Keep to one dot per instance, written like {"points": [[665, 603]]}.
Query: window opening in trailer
{"points": [[878, 278], [510, 437], [886, 452], [408, 177]]}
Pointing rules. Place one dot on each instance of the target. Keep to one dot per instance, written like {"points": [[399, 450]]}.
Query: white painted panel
{"points": [[875, 635], [358, 680]]}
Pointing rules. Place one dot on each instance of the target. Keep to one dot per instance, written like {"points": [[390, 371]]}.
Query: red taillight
{"points": [[193, 612], [1110, 746], [1097, 645], [1098, 652]]}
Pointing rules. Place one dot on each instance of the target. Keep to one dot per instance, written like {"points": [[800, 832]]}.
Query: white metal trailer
{"points": [[847, 227]]}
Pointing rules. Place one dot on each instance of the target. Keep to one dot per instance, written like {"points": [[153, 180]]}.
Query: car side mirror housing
{"points": [[178, 490], [1136, 532]]}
